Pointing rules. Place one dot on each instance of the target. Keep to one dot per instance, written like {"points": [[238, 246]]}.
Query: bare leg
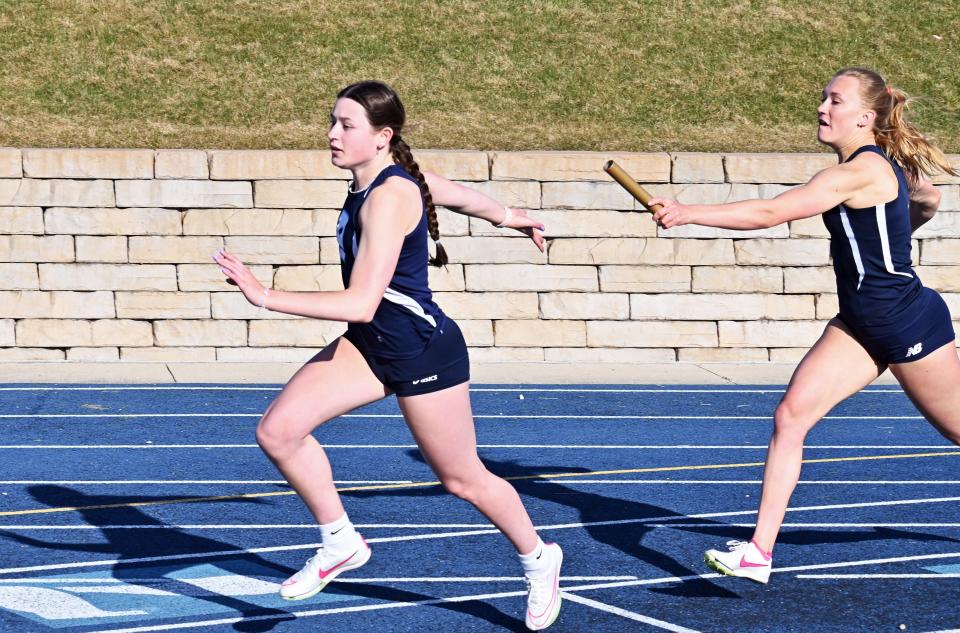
{"points": [[836, 367], [442, 424], [933, 384], [335, 381]]}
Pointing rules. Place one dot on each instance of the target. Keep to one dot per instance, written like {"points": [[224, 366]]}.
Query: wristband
{"points": [[506, 218], [263, 301]]}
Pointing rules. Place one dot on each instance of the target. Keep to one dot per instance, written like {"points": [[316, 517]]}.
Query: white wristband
{"points": [[263, 301], [508, 215]]}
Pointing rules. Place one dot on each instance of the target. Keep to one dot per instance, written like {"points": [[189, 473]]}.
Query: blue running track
{"points": [[150, 508]]}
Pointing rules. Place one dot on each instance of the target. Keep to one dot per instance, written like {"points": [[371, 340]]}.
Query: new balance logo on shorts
{"points": [[913, 351], [427, 379]]}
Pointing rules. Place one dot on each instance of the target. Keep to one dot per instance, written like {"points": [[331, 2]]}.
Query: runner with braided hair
{"points": [[398, 341]]}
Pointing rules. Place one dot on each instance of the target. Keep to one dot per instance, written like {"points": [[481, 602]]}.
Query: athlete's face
{"points": [[842, 115], [353, 140]]}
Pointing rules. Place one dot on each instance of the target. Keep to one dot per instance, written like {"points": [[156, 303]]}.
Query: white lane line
{"points": [[754, 482], [873, 576], [462, 533], [165, 482], [397, 416], [492, 596], [426, 579], [445, 526], [532, 389], [245, 526], [623, 613], [525, 446], [659, 482]]}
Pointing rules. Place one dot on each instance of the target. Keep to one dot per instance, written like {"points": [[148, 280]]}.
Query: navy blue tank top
{"points": [[407, 317], [871, 256]]}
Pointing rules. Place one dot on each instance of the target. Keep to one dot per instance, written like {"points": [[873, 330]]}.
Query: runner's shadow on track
{"points": [[132, 545], [128, 545], [620, 523], [608, 520]]}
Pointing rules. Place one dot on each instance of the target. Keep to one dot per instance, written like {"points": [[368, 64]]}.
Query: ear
{"points": [[867, 119], [383, 137]]}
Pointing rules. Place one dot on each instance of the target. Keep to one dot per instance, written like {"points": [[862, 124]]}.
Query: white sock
{"points": [[338, 535], [537, 562]]}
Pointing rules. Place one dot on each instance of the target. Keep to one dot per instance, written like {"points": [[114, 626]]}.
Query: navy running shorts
{"points": [[925, 328], [444, 363]]}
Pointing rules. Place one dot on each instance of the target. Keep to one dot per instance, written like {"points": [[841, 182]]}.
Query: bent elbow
{"points": [[365, 313]]}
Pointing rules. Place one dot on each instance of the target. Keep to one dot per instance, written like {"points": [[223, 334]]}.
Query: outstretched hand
{"points": [[239, 275], [672, 212], [530, 227]]}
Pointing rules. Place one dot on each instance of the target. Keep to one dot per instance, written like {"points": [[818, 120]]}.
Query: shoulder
{"points": [[397, 200], [863, 170]]}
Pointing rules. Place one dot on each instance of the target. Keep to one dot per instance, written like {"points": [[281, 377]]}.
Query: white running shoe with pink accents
{"points": [[745, 560], [321, 568], [543, 599]]}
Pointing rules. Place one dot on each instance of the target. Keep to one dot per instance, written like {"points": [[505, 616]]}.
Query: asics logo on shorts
{"points": [[913, 351], [427, 379]]}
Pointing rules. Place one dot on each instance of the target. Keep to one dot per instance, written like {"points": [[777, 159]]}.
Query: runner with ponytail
{"points": [[871, 203], [398, 341]]}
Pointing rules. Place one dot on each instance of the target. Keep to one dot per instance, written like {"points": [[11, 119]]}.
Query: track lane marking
{"points": [[429, 484]]}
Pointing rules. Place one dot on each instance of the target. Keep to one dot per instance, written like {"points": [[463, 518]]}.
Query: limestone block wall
{"points": [[105, 255]]}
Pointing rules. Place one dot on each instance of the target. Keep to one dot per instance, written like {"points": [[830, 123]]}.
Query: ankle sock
{"points": [[537, 561], [339, 535]]}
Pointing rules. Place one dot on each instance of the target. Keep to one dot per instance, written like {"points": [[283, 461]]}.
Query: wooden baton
{"points": [[628, 183]]}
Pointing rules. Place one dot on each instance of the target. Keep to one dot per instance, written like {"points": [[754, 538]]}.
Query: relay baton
{"points": [[630, 185]]}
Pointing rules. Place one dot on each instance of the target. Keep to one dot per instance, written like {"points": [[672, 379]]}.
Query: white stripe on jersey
{"points": [[409, 303], [885, 241], [853, 243]]}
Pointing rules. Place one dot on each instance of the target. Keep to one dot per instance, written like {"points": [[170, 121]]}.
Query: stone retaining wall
{"points": [[105, 255]]}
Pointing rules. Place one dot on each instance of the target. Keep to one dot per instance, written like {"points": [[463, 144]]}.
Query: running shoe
{"points": [[543, 597], [745, 560], [321, 568]]}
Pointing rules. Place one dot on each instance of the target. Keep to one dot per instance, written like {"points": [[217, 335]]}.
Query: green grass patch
{"points": [[498, 74]]}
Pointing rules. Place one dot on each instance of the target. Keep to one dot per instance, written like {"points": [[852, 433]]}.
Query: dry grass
{"points": [[501, 74]]}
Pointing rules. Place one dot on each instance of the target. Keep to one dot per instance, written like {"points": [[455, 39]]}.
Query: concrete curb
{"points": [[482, 373]]}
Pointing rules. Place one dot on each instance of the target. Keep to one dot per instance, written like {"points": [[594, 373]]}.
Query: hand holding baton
{"points": [[630, 185]]}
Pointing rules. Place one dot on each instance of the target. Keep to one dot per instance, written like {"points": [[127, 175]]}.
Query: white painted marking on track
{"points": [[462, 533], [623, 613], [492, 596], [751, 482], [873, 576], [168, 482], [269, 526], [427, 526], [754, 482], [355, 580], [472, 389]]}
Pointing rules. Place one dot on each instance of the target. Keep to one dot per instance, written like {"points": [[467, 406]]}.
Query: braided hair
{"points": [[384, 109]]}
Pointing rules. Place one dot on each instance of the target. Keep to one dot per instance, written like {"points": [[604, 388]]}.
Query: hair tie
{"points": [[889, 90]]}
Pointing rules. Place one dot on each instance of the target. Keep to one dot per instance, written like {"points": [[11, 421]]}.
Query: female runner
{"points": [[871, 202], [398, 341]]}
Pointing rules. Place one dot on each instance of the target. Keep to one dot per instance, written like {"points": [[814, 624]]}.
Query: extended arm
{"points": [[467, 201], [824, 191]]}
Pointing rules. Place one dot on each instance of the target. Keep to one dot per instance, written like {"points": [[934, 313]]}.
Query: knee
{"points": [[274, 435], [790, 422], [468, 487]]}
